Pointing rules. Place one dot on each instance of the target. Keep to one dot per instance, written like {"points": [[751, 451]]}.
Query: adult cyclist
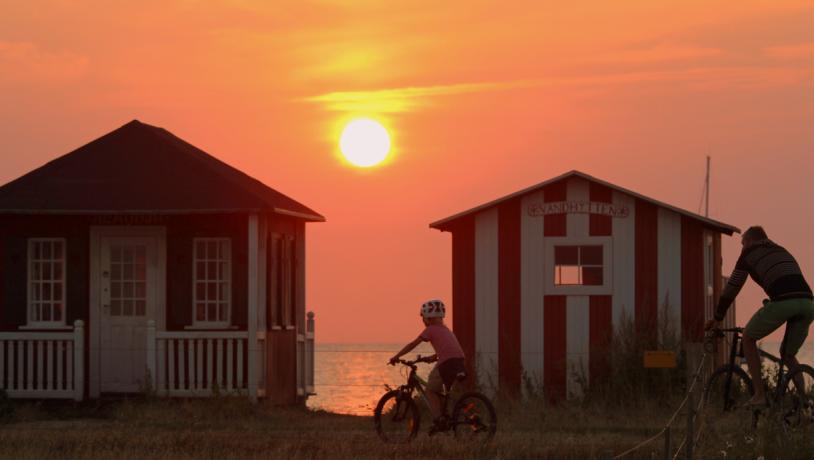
{"points": [[790, 302]]}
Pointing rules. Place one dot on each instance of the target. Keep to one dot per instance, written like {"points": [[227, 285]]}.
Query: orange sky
{"points": [[481, 101]]}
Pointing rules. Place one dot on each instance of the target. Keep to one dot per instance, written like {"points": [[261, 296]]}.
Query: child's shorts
{"points": [[444, 374]]}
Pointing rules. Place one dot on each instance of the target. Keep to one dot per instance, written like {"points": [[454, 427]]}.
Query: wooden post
{"points": [[151, 355], [79, 359], [690, 425], [251, 345], [694, 353]]}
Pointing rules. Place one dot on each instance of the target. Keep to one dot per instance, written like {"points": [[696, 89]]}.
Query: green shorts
{"points": [[797, 313]]}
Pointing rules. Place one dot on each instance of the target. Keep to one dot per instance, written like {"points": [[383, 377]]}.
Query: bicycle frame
{"points": [[736, 350], [414, 382], [733, 354]]}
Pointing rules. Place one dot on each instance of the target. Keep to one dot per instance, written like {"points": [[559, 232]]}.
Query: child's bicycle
{"points": [[397, 417], [730, 387]]}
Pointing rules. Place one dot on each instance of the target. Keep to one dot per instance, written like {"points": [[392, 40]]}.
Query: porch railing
{"points": [[203, 363], [305, 359], [43, 364]]}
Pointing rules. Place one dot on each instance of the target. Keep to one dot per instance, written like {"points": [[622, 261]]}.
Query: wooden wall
{"points": [[181, 230], [14, 234]]}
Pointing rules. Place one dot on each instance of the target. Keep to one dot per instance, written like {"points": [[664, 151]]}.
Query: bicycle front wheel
{"points": [[797, 400], [396, 418], [724, 393], [474, 417]]}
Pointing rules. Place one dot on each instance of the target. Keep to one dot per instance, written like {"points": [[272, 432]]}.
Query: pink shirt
{"points": [[443, 341]]}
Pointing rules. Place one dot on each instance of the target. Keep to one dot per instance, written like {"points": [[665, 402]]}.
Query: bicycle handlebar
{"points": [[412, 363], [717, 331], [731, 329]]}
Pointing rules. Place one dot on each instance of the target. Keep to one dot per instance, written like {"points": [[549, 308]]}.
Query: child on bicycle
{"points": [[448, 354]]}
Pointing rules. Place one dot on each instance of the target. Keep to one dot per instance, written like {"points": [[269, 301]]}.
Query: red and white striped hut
{"points": [[542, 276]]}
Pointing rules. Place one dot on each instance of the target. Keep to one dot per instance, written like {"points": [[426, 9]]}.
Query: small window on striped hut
{"points": [[578, 265]]}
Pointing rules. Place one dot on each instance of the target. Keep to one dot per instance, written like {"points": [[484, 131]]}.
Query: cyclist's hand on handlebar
{"points": [[392, 361], [712, 324]]}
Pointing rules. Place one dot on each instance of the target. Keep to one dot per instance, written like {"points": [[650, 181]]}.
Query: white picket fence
{"points": [[43, 364], [203, 363]]}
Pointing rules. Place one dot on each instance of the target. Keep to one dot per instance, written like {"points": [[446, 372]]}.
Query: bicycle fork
{"points": [[733, 354]]}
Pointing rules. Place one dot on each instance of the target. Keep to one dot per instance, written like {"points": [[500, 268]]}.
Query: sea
{"points": [[350, 378]]}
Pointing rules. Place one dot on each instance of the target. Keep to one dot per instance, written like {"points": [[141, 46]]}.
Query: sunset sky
{"points": [[480, 98]]}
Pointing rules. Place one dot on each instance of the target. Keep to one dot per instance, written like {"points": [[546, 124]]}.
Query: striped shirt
{"points": [[772, 267]]}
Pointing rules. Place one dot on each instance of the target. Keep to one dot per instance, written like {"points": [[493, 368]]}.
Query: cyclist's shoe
{"points": [[439, 425]]}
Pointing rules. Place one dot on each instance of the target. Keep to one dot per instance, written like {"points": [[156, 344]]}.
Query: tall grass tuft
{"points": [[626, 380]]}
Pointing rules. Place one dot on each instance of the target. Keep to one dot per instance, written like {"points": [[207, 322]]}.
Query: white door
{"points": [[129, 275]]}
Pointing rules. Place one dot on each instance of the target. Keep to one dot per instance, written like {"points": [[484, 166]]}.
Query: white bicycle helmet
{"points": [[433, 309]]}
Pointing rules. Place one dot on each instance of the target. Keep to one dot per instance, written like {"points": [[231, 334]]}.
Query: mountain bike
{"points": [[730, 387], [397, 417]]}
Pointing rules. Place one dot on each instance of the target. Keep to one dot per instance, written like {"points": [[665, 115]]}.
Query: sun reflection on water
{"points": [[350, 378]]}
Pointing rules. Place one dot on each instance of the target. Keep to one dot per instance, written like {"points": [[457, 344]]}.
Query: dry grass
{"points": [[624, 408], [231, 428]]}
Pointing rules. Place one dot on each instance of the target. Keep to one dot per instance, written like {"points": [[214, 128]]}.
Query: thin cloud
{"points": [[400, 99], [406, 99], [661, 54], [24, 62], [796, 51]]}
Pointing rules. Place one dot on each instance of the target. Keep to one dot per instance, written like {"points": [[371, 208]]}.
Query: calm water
{"points": [[350, 379]]}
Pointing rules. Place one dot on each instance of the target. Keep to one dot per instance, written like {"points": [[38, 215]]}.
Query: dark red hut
{"points": [[140, 262]]}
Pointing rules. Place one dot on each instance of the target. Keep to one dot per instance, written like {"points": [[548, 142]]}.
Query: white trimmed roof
{"points": [[725, 228]]}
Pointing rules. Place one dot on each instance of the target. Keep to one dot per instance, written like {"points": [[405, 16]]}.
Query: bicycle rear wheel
{"points": [[722, 394], [396, 418], [474, 418], [796, 403]]}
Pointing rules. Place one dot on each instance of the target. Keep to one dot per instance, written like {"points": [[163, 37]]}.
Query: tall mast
{"points": [[706, 191]]}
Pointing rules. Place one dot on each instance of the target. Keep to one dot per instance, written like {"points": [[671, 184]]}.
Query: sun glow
{"points": [[364, 142]]}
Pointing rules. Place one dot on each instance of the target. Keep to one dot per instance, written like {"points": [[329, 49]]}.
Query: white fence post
{"points": [[151, 346], [253, 283], [79, 359], [309, 355]]}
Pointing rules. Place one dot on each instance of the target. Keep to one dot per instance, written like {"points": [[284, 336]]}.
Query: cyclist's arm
{"points": [[407, 348], [732, 288]]}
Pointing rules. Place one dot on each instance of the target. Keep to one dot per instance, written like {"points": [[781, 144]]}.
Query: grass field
{"points": [[233, 428]]}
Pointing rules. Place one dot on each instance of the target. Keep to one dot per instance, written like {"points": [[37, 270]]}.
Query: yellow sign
{"points": [[659, 359]]}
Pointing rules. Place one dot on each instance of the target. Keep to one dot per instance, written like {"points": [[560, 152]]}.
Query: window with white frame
{"points": [[212, 281], [709, 276], [578, 265], [46, 282]]}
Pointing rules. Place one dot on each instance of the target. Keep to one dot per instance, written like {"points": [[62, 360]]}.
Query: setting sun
{"points": [[364, 142]]}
